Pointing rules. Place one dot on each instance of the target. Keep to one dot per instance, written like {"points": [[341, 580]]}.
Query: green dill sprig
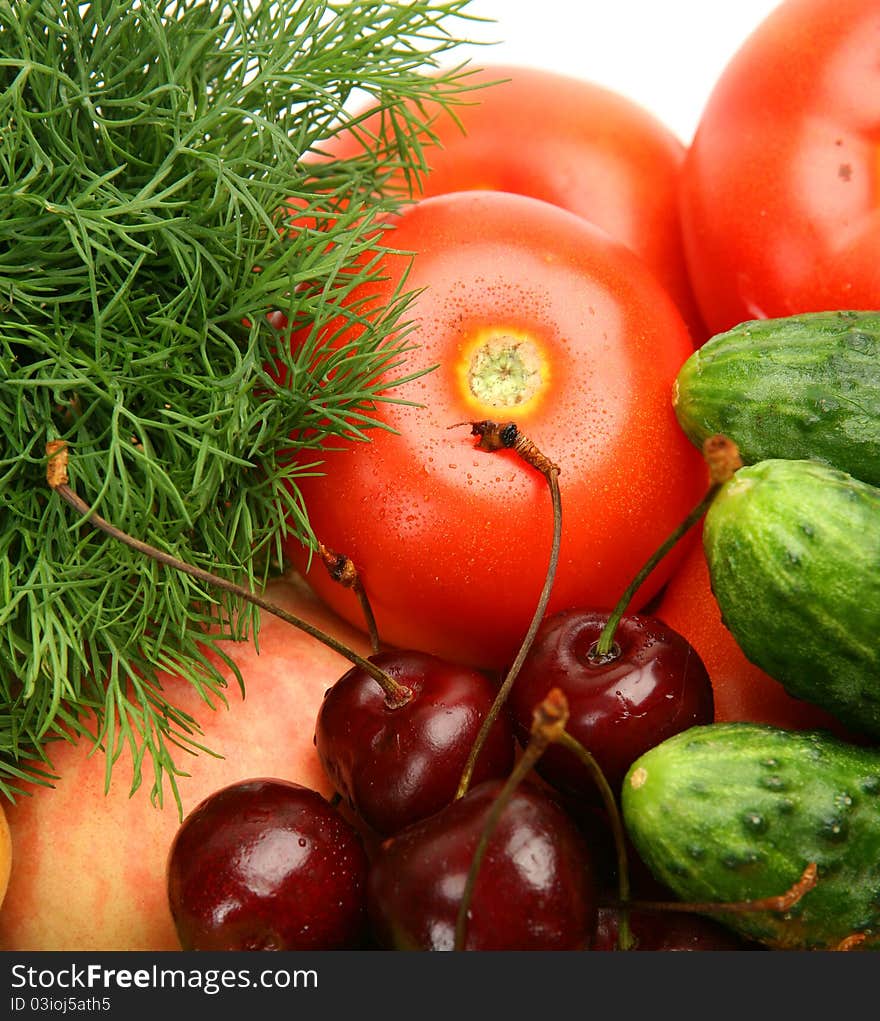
{"points": [[157, 199]]}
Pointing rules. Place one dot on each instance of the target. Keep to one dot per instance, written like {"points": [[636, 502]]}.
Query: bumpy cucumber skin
{"points": [[736, 811], [806, 386], [793, 549]]}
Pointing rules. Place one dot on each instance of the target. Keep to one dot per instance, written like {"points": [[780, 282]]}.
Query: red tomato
{"points": [[571, 143], [780, 188], [742, 691], [451, 542]]}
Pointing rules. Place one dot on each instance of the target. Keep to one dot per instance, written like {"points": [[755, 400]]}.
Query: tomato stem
{"points": [[722, 459], [396, 694]]}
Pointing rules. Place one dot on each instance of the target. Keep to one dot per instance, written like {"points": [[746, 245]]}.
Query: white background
{"points": [[664, 54]]}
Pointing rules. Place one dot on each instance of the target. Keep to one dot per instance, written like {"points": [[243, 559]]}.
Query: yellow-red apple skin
{"points": [[89, 869], [5, 854]]}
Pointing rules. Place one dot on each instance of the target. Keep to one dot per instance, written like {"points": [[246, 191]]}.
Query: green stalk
{"points": [[722, 459], [605, 644]]}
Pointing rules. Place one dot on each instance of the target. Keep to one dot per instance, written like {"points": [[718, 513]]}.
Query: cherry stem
{"points": [[396, 694], [548, 723], [506, 436], [624, 933], [778, 903], [722, 459], [341, 569]]}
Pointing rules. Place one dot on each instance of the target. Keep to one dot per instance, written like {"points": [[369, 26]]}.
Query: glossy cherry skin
{"points": [[396, 766], [535, 890], [667, 930], [267, 865], [653, 688]]}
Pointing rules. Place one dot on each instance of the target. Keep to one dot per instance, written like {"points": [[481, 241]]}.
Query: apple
{"points": [[5, 855], [90, 867]]}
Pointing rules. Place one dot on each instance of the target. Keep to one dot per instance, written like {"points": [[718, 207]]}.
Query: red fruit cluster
{"points": [[271, 865]]}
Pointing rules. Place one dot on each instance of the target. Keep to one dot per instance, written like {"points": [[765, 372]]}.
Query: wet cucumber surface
{"points": [[737, 811], [793, 549], [805, 386]]}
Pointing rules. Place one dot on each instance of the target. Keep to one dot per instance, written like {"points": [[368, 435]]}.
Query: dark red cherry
{"points": [[651, 686], [394, 766], [535, 889], [667, 930], [267, 865]]}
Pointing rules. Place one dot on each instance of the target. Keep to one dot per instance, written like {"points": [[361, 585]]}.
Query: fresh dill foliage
{"points": [[156, 201]]}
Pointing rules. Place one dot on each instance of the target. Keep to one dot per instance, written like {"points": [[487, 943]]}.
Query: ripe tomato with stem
{"points": [[529, 313]]}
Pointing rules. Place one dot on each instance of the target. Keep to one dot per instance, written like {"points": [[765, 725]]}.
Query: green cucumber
{"points": [[805, 386], [733, 812], [793, 549]]}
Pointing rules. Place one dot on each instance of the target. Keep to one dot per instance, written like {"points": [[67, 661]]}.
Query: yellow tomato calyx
{"points": [[503, 369]]}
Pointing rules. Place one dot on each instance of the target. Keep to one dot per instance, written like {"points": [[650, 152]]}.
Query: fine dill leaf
{"points": [[159, 194]]}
